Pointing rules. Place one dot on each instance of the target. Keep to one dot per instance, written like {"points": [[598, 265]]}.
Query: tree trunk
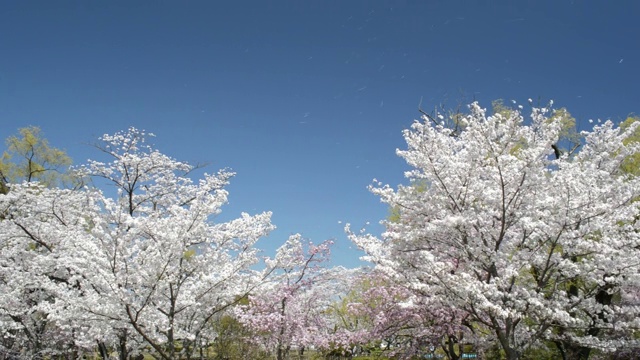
{"points": [[102, 349], [507, 345], [122, 346], [450, 347]]}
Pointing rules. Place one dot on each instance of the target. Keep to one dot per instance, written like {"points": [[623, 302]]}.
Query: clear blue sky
{"points": [[305, 100]]}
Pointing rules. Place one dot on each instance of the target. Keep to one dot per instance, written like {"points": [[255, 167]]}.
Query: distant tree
{"points": [[290, 312], [30, 158], [232, 339], [380, 314], [631, 164]]}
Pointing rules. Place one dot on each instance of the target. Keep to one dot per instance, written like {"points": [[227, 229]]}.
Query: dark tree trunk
{"points": [[102, 349], [123, 352]]}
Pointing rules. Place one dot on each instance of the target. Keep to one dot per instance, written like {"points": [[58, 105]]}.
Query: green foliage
{"points": [[498, 107], [567, 123], [546, 351], [569, 136], [29, 157], [233, 340], [631, 165], [340, 309], [189, 254]]}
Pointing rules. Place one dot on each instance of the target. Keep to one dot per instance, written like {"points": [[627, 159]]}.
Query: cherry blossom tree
{"points": [[27, 272], [140, 265], [37, 233], [380, 314], [530, 243], [291, 311], [160, 263]]}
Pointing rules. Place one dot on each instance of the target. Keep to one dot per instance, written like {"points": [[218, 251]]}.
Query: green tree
{"points": [[29, 157], [631, 165], [234, 340]]}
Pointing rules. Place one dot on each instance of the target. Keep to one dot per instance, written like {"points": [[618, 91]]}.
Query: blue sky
{"points": [[305, 100]]}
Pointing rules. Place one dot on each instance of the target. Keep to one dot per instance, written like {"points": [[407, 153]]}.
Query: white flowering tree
{"points": [[29, 276], [38, 232], [530, 243], [161, 264], [145, 269]]}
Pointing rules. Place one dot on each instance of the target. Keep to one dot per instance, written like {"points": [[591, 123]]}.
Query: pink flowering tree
{"points": [[291, 311], [381, 315]]}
